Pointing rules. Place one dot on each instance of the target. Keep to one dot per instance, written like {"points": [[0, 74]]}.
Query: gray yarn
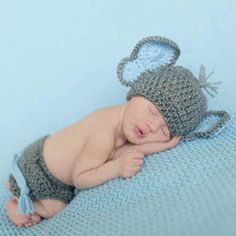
{"points": [[203, 81], [42, 184], [178, 96]]}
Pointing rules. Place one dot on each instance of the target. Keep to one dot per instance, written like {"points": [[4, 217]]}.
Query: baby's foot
{"points": [[20, 220]]}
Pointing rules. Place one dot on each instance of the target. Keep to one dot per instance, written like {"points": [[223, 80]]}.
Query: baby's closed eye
{"points": [[153, 110]]}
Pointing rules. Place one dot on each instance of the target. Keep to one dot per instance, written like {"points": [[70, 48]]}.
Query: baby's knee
{"points": [[47, 208]]}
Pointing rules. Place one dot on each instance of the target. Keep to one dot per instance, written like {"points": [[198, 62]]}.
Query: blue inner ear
{"points": [[208, 123], [150, 56]]}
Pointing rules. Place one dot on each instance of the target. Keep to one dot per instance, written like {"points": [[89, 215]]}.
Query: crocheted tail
{"points": [[25, 205], [203, 81]]}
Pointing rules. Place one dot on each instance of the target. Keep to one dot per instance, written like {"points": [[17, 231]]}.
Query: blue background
{"points": [[58, 59]]}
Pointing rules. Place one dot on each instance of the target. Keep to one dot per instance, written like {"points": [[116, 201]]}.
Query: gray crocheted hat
{"points": [[176, 92]]}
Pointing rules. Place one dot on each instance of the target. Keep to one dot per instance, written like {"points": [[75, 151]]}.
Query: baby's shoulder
{"points": [[102, 140], [99, 129], [102, 121]]}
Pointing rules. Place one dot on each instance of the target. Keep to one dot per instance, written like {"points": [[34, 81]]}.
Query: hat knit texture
{"points": [[177, 94]]}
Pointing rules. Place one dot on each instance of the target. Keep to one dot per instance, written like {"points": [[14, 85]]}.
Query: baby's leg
{"points": [[20, 220], [47, 208], [43, 208]]}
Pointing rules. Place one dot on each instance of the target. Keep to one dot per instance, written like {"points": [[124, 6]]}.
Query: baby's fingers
{"points": [[138, 162], [174, 141]]}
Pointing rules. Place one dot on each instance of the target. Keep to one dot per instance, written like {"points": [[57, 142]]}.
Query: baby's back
{"points": [[63, 148]]}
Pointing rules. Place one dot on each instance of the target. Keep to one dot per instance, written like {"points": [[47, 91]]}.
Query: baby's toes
{"points": [[28, 224]]}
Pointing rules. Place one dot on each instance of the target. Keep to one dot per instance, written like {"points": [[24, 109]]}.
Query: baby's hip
{"points": [[40, 181]]}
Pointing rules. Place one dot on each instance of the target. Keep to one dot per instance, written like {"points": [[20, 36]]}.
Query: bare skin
{"points": [[100, 147]]}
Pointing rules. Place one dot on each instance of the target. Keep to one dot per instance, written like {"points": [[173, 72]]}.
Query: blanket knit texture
{"points": [[187, 190]]}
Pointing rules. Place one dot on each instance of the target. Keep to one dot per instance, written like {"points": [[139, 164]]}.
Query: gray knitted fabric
{"points": [[175, 91], [41, 182]]}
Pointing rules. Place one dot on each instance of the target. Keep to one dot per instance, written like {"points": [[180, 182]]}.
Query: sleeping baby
{"points": [[164, 106]]}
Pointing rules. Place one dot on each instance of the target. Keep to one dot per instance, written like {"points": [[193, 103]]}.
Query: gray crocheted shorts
{"points": [[42, 184]]}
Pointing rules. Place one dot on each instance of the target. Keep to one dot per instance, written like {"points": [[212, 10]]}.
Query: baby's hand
{"points": [[128, 164]]}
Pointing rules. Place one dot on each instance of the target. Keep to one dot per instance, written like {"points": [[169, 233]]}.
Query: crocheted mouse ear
{"points": [[149, 53], [209, 127]]}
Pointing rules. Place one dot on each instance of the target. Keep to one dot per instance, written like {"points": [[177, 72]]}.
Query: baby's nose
{"points": [[155, 128], [151, 128], [146, 130]]}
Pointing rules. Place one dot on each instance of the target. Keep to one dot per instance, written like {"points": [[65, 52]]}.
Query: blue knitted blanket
{"points": [[188, 190]]}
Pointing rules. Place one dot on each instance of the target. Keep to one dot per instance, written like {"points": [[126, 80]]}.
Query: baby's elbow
{"points": [[83, 181], [77, 180], [79, 184]]}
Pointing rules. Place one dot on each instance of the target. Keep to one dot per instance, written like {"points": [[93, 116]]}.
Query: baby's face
{"points": [[143, 122]]}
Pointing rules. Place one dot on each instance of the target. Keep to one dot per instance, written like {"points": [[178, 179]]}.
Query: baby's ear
{"points": [[209, 126], [149, 54]]}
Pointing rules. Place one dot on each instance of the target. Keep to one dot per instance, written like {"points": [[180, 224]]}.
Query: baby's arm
{"points": [[96, 176], [91, 168], [147, 148], [150, 148]]}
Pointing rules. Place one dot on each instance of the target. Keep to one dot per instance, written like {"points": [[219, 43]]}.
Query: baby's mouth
{"points": [[138, 132]]}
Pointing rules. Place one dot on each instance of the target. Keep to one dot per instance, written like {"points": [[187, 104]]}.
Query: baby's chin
{"points": [[133, 142], [133, 139]]}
